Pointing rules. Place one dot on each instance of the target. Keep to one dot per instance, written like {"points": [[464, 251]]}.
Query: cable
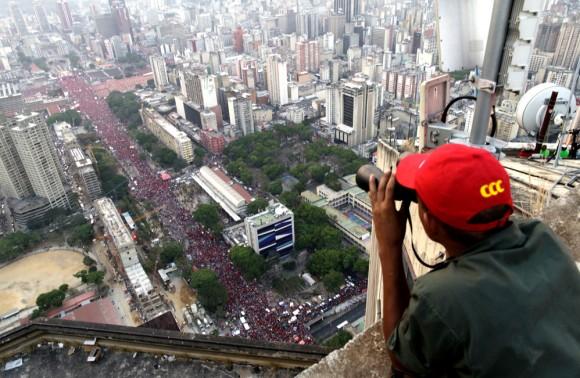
{"points": [[415, 250], [473, 98]]}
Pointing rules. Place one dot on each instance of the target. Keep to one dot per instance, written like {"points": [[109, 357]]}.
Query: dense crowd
{"points": [[284, 321]]}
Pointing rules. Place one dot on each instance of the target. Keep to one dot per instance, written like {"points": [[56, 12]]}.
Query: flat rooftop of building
{"points": [[237, 187], [101, 311], [52, 361], [345, 222], [270, 215]]}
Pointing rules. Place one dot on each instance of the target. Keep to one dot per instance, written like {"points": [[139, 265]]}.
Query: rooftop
{"points": [[270, 215]]}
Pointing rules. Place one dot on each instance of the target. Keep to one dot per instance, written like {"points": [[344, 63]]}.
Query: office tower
{"points": [[120, 49], [547, 36], [416, 42], [106, 26], [64, 14], [13, 180], [41, 18], [199, 88], [332, 104], [307, 56], [18, 18], [350, 8], [335, 70], [159, 71], [335, 24], [121, 16], [11, 100], [238, 37], [271, 231], [308, 24], [568, 46], [358, 103], [240, 111], [85, 172], [277, 79], [32, 140]]}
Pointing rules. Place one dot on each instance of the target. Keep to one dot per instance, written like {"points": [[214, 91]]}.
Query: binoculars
{"points": [[363, 177]]}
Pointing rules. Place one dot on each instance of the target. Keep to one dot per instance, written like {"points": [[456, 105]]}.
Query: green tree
{"points": [[82, 235], [17, 243], [51, 299], [90, 277], [361, 267], [208, 216], [333, 280], [290, 199], [88, 261], [211, 293], [170, 252], [257, 205], [339, 340], [251, 264], [275, 187]]}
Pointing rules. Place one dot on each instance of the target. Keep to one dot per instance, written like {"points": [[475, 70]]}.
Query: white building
{"points": [[159, 71], [230, 195], [358, 103], [38, 155], [168, 134], [277, 79], [124, 244], [272, 230]]}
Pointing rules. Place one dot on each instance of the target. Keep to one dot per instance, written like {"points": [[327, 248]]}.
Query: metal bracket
{"points": [[482, 84]]}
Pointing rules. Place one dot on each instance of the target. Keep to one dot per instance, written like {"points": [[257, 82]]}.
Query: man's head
{"points": [[463, 192]]}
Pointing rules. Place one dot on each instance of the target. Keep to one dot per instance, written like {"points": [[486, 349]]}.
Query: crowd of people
{"points": [[280, 322]]}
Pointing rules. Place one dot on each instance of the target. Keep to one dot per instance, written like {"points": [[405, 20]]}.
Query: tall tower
{"points": [[358, 103], [277, 79], [568, 46], [18, 18], [41, 18], [159, 71], [33, 144], [13, 180], [241, 114], [122, 20], [64, 14]]}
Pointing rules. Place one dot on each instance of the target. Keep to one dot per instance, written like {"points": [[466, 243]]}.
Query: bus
{"points": [[341, 325]]}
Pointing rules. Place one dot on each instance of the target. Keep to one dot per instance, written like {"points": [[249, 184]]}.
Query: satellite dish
{"points": [[532, 106]]}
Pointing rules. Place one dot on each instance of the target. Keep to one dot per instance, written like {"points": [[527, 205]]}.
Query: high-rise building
{"points": [[32, 140], [84, 170], [121, 16], [335, 24], [307, 56], [18, 18], [332, 116], [271, 231], [277, 79], [64, 14], [358, 103], [41, 18], [13, 180], [159, 71], [547, 36], [350, 8], [11, 100], [106, 26], [240, 111], [238, 39], [308, 24], [120, 49], [199, 88], [568, 46]]}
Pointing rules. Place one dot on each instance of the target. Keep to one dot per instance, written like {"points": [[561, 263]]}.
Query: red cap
{"points": [[459, 185]]}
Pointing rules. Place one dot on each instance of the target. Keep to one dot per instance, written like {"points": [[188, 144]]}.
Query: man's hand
{"points": [[390, 223]]}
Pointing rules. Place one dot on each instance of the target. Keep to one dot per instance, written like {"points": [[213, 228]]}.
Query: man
{"points": [[506, 301]]}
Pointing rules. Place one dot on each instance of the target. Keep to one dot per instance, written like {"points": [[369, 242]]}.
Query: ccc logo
{"points": [[491, 189]]}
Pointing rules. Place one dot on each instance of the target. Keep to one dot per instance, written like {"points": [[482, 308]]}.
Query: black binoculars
{"points": [[363, 177]]}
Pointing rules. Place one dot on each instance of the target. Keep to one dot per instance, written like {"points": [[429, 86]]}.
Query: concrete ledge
{"points": [[364, 356]]}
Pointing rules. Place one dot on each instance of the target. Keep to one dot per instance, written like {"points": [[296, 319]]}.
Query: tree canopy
{"points": [[332, 264], [251, 264], [211, 293], [257, 205], [313, 229], [208, 216], [125, 106], [338, 340], [91, 276], [114, 185], [170, 252], [51, 299], [82, 235], [70, 116], [17, 243]]}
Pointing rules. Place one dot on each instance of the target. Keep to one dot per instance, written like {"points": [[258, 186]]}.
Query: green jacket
{"points": [[508, 307]]}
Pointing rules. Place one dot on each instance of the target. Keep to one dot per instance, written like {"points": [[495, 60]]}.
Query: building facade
{"points": [[271, 232], [159, 71], [358, 103], [168, 134], [277, 79]]}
